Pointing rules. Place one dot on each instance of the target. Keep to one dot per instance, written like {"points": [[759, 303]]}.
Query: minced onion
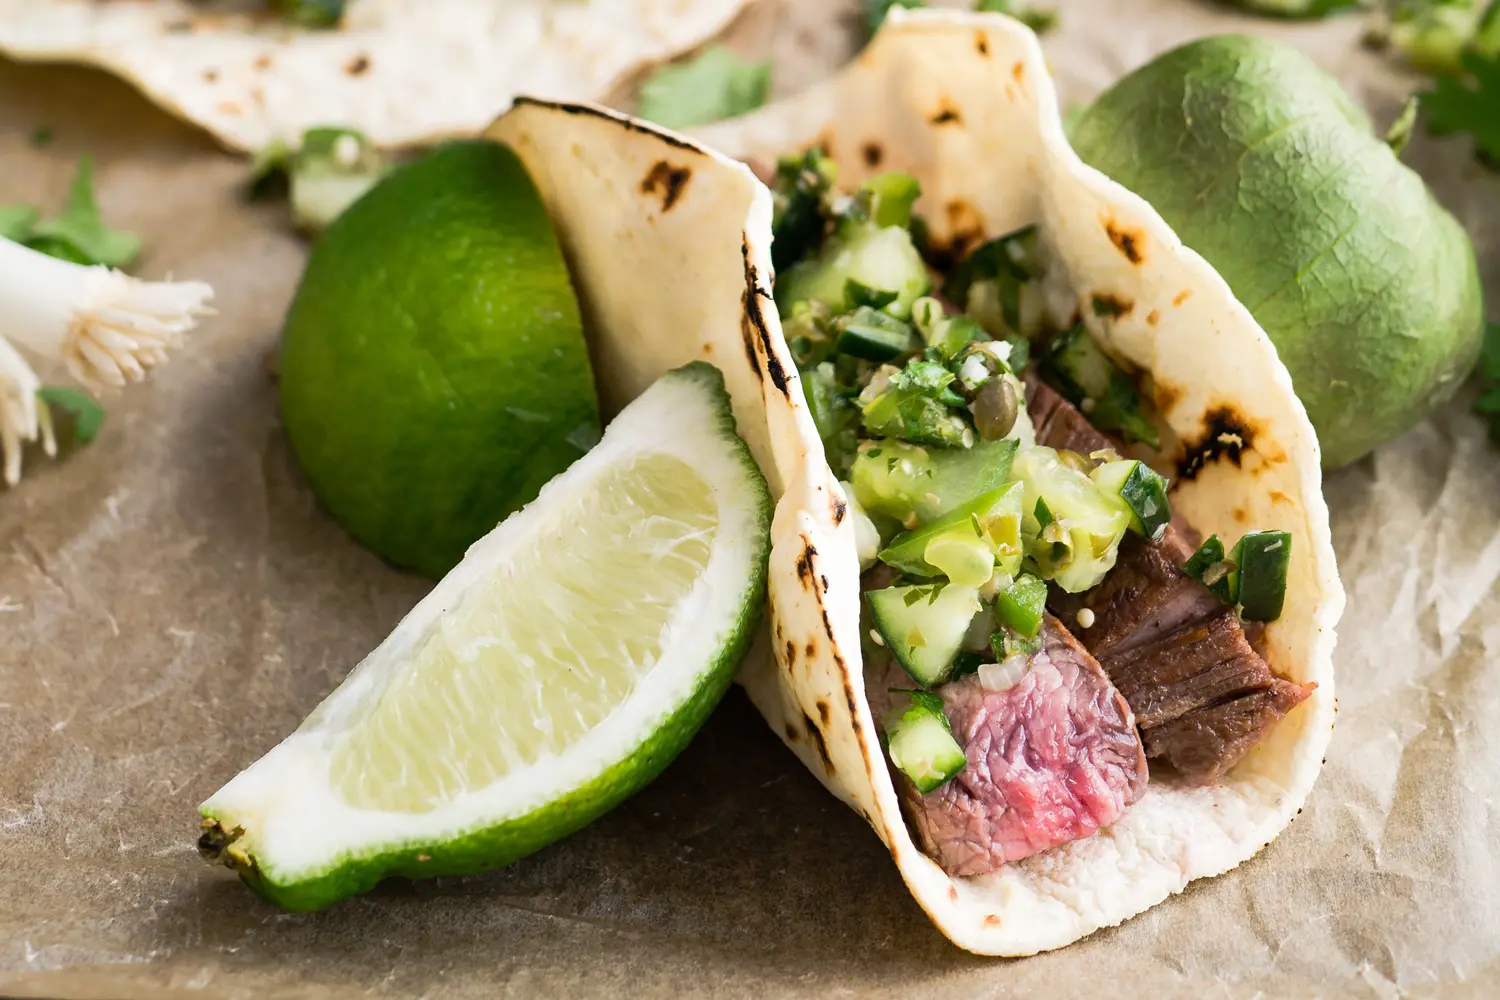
{"points": [[1005, 675], [973, 372]]}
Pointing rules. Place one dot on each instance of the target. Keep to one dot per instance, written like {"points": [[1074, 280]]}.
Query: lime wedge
{"points": [[554, 672]]}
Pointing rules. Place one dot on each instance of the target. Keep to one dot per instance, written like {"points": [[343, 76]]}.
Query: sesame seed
{"points": [[875, 638], [1085, 618]]}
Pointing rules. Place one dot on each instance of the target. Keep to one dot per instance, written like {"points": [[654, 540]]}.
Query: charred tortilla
{"points": [[964, 103]]}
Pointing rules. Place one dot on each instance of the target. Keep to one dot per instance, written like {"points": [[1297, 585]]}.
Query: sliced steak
{"points": [[1052, 759], [1203, 744], [1145, 598], [1059, 424], [1197, 667], [1201, 693]]}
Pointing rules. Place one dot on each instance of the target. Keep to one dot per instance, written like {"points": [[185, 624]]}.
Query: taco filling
{"points": [[1038, 624]]}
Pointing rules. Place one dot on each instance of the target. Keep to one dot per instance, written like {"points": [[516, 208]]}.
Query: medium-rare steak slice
{"points": [[1203, 744], [1051, 759]]}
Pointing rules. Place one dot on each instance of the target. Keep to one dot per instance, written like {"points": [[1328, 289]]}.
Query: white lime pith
{"points": [[554, 671]]}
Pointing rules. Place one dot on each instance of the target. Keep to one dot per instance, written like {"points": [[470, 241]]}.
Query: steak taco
{"points": [[1053, 595], [402, 72]]}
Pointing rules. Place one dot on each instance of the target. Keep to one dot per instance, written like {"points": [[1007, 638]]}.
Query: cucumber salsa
{"points": [[920, 399]]}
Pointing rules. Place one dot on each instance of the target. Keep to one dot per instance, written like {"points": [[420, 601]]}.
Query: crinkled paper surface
{"points": [[172, 603]]}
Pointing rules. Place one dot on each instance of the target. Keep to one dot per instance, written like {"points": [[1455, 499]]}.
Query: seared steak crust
{"points": [[1207, 742], [1198, 666]]}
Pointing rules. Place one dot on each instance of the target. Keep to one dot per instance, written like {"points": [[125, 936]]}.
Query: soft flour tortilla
{"points": [[964, 102], [401, 71]]}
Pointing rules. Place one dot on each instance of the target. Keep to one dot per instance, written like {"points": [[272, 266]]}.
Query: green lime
{"points": [[433, 367], [558, 668]]}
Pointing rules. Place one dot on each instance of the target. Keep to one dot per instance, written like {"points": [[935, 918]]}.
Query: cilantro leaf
{"points": [[715, 84], [1488, 404], [87, 414], [1468, 105], [78, 234]]}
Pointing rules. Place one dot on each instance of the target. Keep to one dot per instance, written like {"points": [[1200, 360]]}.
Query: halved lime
{"points": [[557, 669]]}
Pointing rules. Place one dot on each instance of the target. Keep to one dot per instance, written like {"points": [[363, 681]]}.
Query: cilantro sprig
{"points": [[75, 234]]}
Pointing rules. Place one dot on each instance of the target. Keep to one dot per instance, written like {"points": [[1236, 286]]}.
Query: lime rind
{"points": [[300, 845]]}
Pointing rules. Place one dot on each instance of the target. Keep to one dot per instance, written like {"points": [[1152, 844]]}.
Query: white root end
{"points": [[123, 327], [108, 328], [20, 413]]}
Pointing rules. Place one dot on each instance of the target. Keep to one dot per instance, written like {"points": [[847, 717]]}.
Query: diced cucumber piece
{"points": [[1211, 566], [968, 544], [915, 485], [857, 294], [920, 741], [1086, 377], [961, 559], [1144, 491], [881, 258], [875, 336], [1022, 605], [924, 626], [1083, 526], [1263, 558], [892, 196]]}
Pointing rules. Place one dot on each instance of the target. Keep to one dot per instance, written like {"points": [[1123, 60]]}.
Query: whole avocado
{"points": [[1263, 165]]}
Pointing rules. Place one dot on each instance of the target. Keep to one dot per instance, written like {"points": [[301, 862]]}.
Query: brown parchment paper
{"points": [[172, 603]]}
